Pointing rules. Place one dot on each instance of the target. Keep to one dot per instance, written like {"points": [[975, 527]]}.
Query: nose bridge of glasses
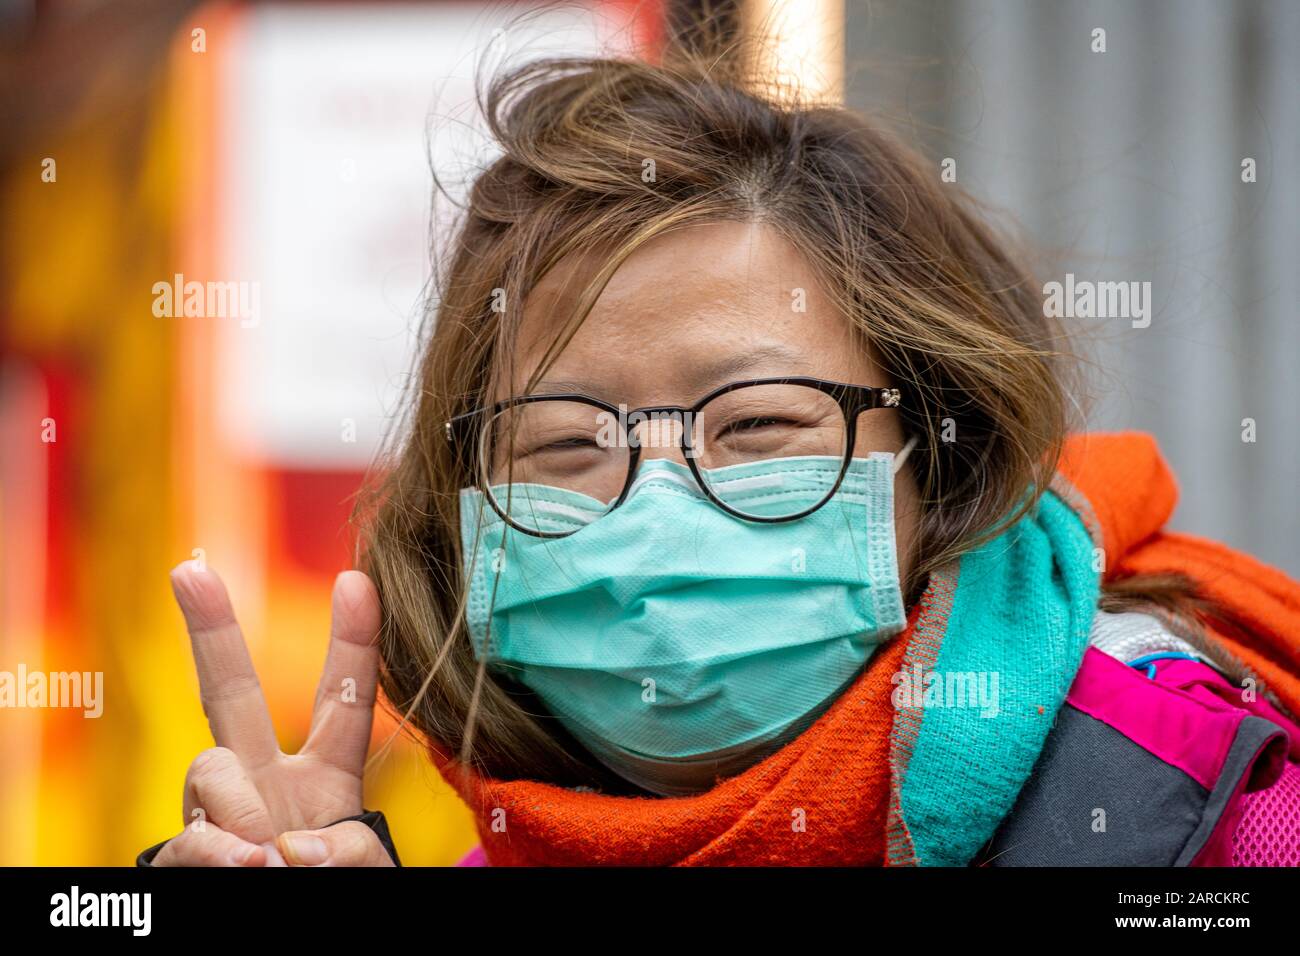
{"points": [[661, 431]]}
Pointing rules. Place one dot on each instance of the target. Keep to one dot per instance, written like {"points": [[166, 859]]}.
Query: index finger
{"points": [[228, 685]]}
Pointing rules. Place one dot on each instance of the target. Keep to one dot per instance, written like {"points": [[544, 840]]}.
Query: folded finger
{"points": [[209, 846], [219, 787]]}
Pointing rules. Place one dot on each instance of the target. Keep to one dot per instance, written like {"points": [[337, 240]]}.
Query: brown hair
{"points": [[908, 259]]}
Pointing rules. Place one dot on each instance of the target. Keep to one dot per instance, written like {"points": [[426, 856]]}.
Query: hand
{"points": [[247, 803], [344, 844]]}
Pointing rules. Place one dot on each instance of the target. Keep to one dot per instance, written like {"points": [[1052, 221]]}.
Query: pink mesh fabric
{"points": [[1269, 831]]}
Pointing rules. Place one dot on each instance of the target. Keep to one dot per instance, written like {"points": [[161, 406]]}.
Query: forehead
{"points": [[688, 310]]}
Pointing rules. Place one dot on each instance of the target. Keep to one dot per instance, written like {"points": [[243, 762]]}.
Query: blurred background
{"points": [[283, 150]]}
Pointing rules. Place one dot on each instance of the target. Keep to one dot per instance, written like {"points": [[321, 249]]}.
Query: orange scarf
{"points": [[825, 798]]}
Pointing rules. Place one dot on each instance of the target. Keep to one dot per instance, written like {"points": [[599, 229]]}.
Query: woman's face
{"points": [[698, 308]]}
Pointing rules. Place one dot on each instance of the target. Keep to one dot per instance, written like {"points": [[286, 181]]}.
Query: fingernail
{"points": [[243, 854], [304, 850]]}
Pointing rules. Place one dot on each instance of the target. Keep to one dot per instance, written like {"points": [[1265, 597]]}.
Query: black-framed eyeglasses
{"points": [[549, 464]]}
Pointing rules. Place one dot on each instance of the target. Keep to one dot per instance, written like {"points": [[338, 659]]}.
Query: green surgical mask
{"points": [[680, 644]]}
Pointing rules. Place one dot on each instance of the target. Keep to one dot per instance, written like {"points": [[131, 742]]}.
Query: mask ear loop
{"points": [[902, 455]]}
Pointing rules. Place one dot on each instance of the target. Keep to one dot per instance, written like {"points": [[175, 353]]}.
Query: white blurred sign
{"points": [[331, 116]]}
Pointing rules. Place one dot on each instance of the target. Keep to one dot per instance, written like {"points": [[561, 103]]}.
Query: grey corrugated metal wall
{"points": [[1126, 166]]}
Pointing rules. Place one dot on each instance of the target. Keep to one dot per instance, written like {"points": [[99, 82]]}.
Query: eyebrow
{"points": [[789, 362], [562, 387]]}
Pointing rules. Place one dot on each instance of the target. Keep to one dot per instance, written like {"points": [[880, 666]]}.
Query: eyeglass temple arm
{"points": [[450, 425]]}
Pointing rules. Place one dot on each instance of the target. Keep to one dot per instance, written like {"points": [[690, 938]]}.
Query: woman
{"points": [[738, 521]]}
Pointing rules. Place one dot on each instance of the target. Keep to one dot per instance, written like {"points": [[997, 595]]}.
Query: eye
{"points": [[750, 423], [755, 423], [574, 443]]}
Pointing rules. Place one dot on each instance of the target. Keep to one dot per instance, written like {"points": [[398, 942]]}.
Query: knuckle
{"points": [[233, 687], [211, 764]]}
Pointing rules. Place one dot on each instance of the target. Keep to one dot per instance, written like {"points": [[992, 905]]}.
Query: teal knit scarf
{"points": [[1007, 625]]}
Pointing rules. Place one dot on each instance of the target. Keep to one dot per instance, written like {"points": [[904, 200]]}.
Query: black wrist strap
{"points": [[371, 818]]}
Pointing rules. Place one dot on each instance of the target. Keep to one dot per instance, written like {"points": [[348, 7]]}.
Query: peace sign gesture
{"points": [[246, 802]]}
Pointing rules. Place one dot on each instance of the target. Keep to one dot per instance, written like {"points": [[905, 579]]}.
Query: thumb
{"points": [[344, 844]]}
